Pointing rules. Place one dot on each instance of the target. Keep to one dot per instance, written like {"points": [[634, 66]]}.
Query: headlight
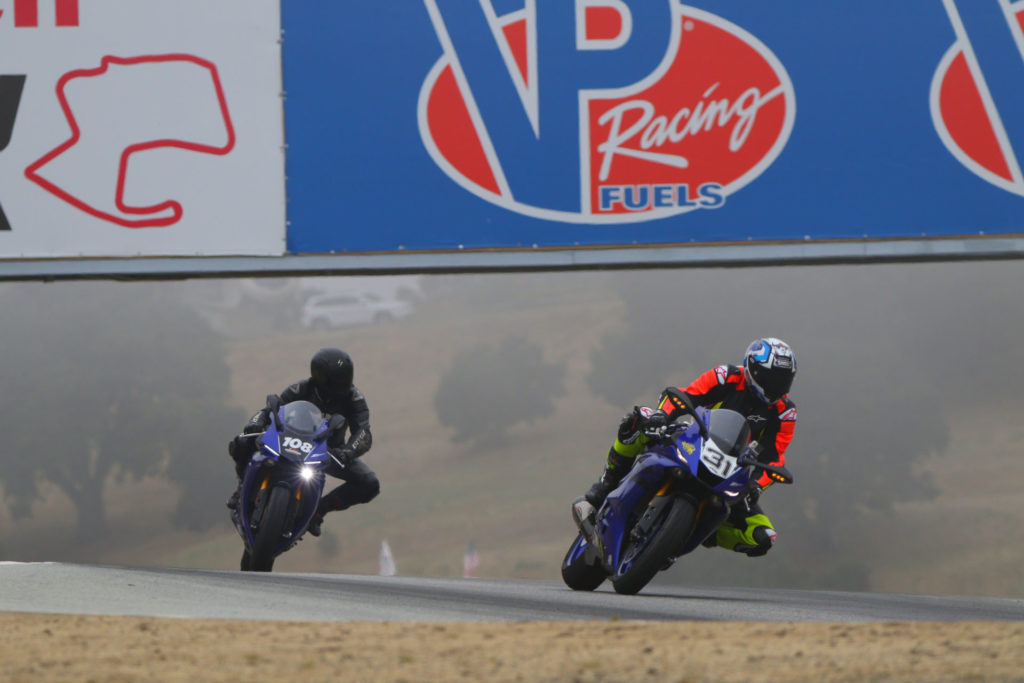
{"points": [[306, 473]]}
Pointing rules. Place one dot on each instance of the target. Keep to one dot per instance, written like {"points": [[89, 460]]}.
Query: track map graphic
{"points": [[125, 95]]}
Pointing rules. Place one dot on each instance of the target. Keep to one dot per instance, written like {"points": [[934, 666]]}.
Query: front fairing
{"points": [[714, 466], [643, 481], [288, 458]]}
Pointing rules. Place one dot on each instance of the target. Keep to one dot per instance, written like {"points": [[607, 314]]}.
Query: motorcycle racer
{"points": [[758, 390], [330, 388]]}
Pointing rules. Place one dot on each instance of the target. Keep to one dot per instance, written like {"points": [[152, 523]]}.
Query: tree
{"points": [[107, 382], [487, 391]]}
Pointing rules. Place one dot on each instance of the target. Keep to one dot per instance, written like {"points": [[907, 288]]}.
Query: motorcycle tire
{"points": [[268, 536], [577, 573], [246, 562], [658, 547]]}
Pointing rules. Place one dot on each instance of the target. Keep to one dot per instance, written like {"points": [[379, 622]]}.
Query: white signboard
{"points": [[141, 128]]}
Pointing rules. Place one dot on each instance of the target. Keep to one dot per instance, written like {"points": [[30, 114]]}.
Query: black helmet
{"points": [[769, 367], [331, 371]]}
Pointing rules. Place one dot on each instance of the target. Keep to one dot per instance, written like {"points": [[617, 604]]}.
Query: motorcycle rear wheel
{"points": [[656, 549], [577, 573], [268, 536]]}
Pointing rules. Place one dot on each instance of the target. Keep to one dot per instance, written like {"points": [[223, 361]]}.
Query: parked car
{"points": [[327, 311]]}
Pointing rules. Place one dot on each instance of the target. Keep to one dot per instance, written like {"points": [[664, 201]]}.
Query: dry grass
{"points": [[62, 648]]}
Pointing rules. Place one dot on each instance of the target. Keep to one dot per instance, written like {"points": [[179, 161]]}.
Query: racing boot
{"points": [[327, 504], [755, 539], [615, 469], [240, 465], [232, 502], [314, 524], [764, 538]]}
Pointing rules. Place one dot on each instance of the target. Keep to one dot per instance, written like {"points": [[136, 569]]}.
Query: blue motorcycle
{"points": [[281, 488], [679, 491]]}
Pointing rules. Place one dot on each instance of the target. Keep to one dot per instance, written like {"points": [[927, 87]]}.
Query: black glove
{"points": [[640, 420], [344, 456], [655, 420]]}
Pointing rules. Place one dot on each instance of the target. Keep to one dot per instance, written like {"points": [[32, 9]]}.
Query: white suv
{"points": [[327, 311]]}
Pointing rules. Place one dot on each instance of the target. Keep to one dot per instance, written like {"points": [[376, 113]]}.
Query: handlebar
{"points": [[776, 473], [683, 403]]}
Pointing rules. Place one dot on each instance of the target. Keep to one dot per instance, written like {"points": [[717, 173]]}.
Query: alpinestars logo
{"points": [[601, 111], [976, 101]]}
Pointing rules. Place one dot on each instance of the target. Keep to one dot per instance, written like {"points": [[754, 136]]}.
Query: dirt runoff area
{"points": [[39, 647]]}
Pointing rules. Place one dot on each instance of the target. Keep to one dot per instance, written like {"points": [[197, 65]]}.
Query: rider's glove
{"points": [[656, 420], [257, 423], [640, 420], [343, 456]]}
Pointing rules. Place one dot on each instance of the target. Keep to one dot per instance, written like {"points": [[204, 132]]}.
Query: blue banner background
{"points": [[863, 160]]}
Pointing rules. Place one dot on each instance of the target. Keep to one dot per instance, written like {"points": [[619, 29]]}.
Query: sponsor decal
{"points": [[722, 372], [785, 362], [975, 93], [26, 13], [11, 88], [757, 422], [601, 111]]}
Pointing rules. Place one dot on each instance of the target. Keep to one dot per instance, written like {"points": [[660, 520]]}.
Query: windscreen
{"points": [[301, 417], [729, 430]]}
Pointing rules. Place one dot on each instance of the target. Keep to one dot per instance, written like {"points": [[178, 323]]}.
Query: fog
{"points": [[906, 455]]}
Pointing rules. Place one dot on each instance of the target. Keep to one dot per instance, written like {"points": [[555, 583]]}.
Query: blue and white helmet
{"points": [[769, 367]]}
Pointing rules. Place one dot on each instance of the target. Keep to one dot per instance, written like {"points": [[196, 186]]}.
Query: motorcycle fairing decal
{"points": [[718, 461]]}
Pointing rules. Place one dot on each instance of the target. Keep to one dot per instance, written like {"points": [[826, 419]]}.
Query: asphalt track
{"points": [[56, 588]]}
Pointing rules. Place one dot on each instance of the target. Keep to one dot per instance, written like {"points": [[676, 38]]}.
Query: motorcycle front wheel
{"points": [[268, 536], [645, 556], [577, 573]]}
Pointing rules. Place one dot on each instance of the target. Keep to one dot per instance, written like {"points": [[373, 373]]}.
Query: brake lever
{"points": [[658, 432]]}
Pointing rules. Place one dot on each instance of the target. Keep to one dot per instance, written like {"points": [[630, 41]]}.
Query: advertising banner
{"points": [[140, 128], [520, 124]]}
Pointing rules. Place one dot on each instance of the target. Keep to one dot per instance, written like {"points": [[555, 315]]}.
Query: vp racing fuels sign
{"points": [[601, 111], [437, 126], [976, 109]]}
